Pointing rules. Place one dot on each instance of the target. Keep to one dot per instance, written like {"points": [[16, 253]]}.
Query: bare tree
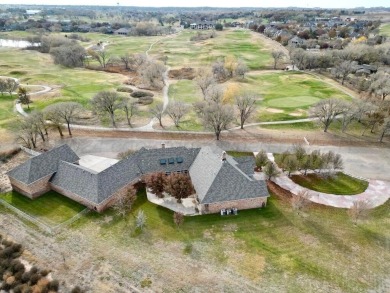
{"points": [[271, 170], [36, 119], [337, 162], [152, 73], [100, 56], [11, 85], [55, 120], [126, 60], [176, 110], [300, 200], [69, 55], [348, 115], [277, 55], [380, 84], [385, 129], [140, 220], [241, 69], [297, 57], [158, 112], [3, 86], [216, 116], [24, 97], [358, 210], [204, 80], [219, 71], [327, 110], [178, 218], [27, 133], [343, 69], [66, 111], [124, 202], [130, 108], [246, 104], [107, 102]]}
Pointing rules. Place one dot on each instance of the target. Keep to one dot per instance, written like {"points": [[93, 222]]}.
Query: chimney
{"points": [[163, 145], [223, 156]]}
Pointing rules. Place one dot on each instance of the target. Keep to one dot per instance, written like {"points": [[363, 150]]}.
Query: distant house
{"points": [[122, 32], [202, 25], [296, 42], [220, 181], [365, 69]]}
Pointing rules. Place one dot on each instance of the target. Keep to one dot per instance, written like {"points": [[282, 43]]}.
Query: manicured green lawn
{"points": [[273, 243], [51, 208], [185, 91], [182, 52], [286, 95], [385, 29], [340, 184]]}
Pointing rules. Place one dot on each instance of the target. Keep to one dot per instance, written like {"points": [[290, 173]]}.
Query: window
{"points": [[171, 161]]}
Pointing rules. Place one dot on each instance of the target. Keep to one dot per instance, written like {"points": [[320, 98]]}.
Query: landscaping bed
{"points": [[339, 183]]}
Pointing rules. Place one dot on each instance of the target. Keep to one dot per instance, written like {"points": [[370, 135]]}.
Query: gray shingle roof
{"points": [[42, 165], [93, 186], [246, 164], [217, 181], [97, 187], [149, 160], [214, 180]]}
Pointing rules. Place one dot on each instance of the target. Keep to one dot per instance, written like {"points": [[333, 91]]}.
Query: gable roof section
{"points": [[93, 186], [217, 181], [230, 184], [43, 165], [246, 164]]}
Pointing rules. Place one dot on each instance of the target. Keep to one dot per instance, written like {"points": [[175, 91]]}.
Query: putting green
{"points": [[292, 102]]}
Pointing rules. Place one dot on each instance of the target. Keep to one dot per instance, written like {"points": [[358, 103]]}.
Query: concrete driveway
{"points": [[370, 163]]}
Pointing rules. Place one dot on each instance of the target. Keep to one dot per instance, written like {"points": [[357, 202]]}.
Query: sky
{"points": [[214, 3]]}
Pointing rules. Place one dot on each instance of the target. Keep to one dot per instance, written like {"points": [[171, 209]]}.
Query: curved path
{"points": [[376, 194]]}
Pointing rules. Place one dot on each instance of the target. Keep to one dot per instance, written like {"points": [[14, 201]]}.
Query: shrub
{"points": [[145, 101], [141, 94], [124, 89], [7, 155]]}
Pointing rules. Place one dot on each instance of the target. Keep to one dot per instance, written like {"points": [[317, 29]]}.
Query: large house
{"points": [[202, 25], [220, 181]]}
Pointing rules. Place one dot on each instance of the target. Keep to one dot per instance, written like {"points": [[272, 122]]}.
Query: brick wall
{"points": [[242, 204], [91, 205], [34, 189]]}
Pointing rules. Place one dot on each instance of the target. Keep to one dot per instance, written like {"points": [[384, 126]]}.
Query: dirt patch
{"points": [[273, 110], [182, 73]]}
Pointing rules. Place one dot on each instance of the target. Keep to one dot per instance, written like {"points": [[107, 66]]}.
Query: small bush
{"points": [[9, 154], [77, 289], [125, 154], [145, 101], [141, 94], [124, 89], [146, 283]]}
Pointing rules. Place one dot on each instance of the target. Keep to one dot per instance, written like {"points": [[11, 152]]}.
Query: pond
{"points": [[16, 43]]}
